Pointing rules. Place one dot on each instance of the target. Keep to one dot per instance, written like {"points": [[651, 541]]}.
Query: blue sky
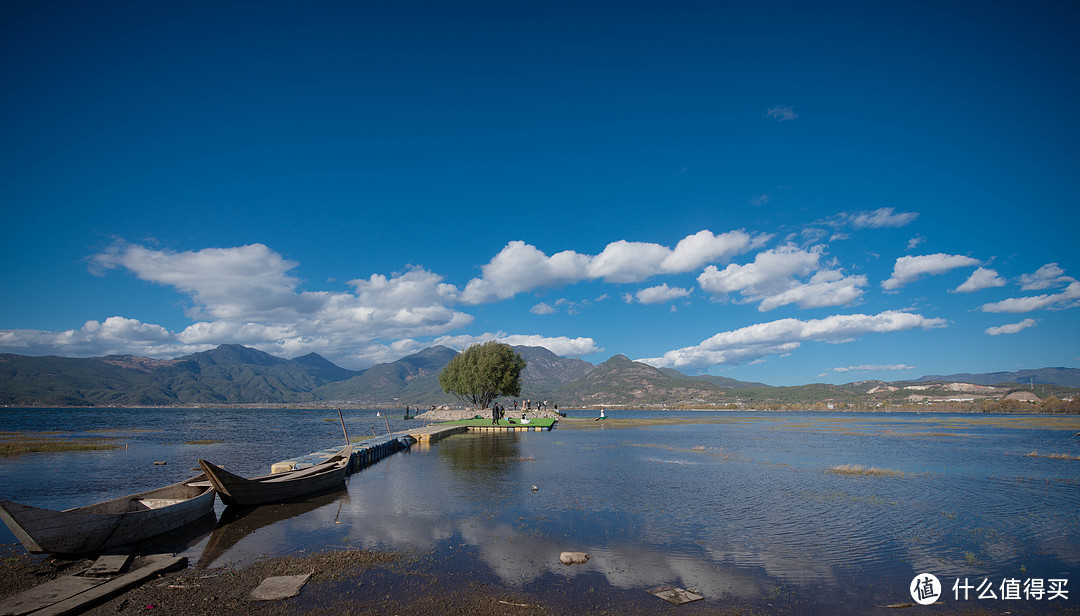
{"points": [[786, 193]]}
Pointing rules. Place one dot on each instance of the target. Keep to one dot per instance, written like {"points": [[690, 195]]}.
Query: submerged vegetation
{"points": [[1056, 456], [859, 469], [10, 447]]}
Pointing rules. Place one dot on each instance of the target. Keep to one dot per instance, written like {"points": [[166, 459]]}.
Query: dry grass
{"points": [[204, 441], [859, 469]]}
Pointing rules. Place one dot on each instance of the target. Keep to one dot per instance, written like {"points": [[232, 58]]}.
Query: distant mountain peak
{"points": [[232, 354]]}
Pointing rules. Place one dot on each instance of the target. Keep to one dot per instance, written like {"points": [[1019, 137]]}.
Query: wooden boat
{"points": [[109, 523], [236, 490]]}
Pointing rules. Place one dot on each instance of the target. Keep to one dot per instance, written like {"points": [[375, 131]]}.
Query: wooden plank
{"points": [[84, 601], [675, 595], [109, 564], [280, 587], [47, 594]]}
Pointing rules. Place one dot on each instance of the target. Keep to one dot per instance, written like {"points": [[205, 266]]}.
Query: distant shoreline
{"points": [[592, 408]]}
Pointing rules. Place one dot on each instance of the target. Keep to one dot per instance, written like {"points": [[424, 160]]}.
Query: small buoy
{"points": [[159, 464], [534, 488]]}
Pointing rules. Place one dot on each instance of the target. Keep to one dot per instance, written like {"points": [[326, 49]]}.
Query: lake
{"points": [[744, 508]]}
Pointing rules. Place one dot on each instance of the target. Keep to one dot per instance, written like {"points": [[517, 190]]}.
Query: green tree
{"points": [[482, 373]]}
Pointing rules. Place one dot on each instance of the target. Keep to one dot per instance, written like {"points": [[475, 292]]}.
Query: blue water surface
{"points": [[742, 506]]}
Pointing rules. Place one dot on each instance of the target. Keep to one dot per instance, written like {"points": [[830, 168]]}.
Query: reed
{"points": [[203, 441]]}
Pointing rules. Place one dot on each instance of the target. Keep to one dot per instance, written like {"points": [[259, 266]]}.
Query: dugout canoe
{"points": [[110, 523], [277, 487]]}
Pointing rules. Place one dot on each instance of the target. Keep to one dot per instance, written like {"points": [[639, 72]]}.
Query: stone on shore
{"points": [[573, 558]]}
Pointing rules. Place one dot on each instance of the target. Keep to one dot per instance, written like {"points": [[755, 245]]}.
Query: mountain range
{"points": [[233, 374]]}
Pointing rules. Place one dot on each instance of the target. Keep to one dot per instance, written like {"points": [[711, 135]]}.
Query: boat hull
{"points": [[110, 523], [236, 490]]}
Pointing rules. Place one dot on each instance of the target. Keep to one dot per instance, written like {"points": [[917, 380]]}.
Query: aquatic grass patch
{"points": [[1055, 456], [859, 469], [18, 447], [203, 441], [923, 434], [583, 423]]}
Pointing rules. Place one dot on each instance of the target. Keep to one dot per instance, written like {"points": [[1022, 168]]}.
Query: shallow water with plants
{"points": [[803, 512]]}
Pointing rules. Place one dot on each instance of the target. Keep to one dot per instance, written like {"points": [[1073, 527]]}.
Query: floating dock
{"points": [[368, 452]]}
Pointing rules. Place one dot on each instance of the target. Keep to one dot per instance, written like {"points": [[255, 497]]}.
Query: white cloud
{"points": [[659, 294], [781, 113], [825, 288], [875, 368], [908, 269], [245, 282], [915, 242], [559, 345], [521, 267], [1011, 328], [543, 308], [880, 218], [773, 280], [785, 335], [981, 278], [1049, 275], [1069, 298], [873, 219]]}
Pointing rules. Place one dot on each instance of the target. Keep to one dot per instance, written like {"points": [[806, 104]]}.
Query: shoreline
{"points": [[916, 409], [349, 581]]}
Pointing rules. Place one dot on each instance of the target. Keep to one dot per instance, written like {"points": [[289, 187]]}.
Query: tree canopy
{"points": [[482, 373]]}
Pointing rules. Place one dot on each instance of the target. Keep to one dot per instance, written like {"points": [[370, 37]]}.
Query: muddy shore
{"points": [[364, 582], [347, 582]]}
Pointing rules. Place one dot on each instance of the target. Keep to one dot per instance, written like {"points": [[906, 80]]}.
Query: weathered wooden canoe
{"points": [[277, 487], [109, 523]]}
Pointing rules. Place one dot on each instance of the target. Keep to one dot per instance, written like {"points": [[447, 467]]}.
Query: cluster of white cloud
{"points": [[521, 267], [1046, 277], [1068, 298], [773, 279], [249, 295], [909, 269], [785, 335]]}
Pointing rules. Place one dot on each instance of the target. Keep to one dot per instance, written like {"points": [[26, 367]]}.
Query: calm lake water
{"points": [[741, 507]]}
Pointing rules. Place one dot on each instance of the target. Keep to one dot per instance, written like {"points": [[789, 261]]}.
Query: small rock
{"points": [[573, 558]]}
